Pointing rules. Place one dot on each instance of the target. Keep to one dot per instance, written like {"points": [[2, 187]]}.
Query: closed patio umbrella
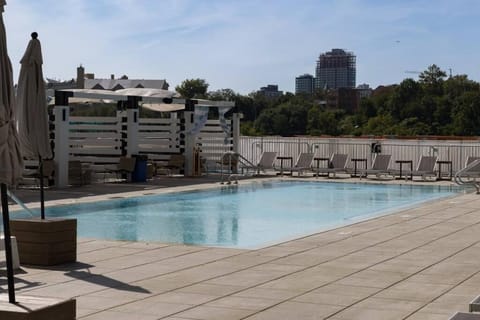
{"points": [[10, 156], [32, 113]]}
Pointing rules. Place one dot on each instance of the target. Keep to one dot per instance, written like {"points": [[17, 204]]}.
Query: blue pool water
{"points": [[246, 216]]}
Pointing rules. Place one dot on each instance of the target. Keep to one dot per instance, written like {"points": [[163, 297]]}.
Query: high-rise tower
{"points": [[336, 69], [304, 84]]}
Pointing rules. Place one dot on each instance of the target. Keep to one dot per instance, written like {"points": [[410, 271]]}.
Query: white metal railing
{"points": [[455, 151]]}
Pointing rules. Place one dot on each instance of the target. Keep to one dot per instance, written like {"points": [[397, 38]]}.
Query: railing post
{"points": [[132, 125], [236, 131], [132, 131], [189, 137], [62, 124]]}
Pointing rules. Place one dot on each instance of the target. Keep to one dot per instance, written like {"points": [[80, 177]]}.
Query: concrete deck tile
{"points": [[185, 298], [161, 285], [358, 261], [301, 244], [200, 273], [265, 293], [329, 272], [214, 313], [445, 307], [369, 314], [250, 259], [107, 253], [450, 279], [349, 291], [328, 299], [139, 273], [67, 289], [236, 302], [171, 251], [397, 266], [82, 312], [451, 268], [93, 245], [212, 289], [414, 292], [144, 245], [296, 311], [47, 277], [406, 306], [198, 258], [307, 259], [466, 288], [464, 299], [112, 315], [128, 261], [281, 251], [97, 303], [277, 267], [151, 306], [373, 278], [125, 293], [296, 283], [246, 278], [429, 316]]}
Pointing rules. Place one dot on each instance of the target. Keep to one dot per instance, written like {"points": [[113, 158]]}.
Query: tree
{"points": [[323, 122], [380, 125], [432, 79], [193, 88], [222, 94], [466, 116], [432, 75]]}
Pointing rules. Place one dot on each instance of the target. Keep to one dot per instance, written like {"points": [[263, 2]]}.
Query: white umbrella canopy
{"points": [[10, 157], [32, 113], [154, 93]]}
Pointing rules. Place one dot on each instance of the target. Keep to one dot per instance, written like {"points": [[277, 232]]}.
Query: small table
{"points": [[282, 159], [401, 163], [448, 163], [317, 164], [355, 160]]}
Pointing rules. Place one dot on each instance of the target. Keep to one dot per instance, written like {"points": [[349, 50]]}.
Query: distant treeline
{"points": [[432, 105]]}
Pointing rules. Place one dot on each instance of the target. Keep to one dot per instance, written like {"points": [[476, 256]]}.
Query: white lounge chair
{"points": [[266, 162], [303, 163], [337, 164], [380, 166], [425, 168]]}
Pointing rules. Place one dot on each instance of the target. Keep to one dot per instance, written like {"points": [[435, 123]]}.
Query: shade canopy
{"points": [[10, 157], [32, 113]]}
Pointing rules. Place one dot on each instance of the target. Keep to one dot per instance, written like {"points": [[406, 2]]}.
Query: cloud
{"points": [[242, 45]]}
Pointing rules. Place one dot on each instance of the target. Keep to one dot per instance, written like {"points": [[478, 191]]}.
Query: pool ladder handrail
{"points": [[460, 175], [20, 203], [239, 159]]}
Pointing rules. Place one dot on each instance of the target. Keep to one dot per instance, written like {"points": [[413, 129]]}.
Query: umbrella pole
{"points": [[8, 243], [42, 194]]}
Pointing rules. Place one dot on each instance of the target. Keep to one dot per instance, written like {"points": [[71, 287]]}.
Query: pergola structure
{"points": [[193, 114]]}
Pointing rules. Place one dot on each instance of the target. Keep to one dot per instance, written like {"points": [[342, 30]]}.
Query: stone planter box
{"points": [[37, 308], [45, 242], [475, 305]]}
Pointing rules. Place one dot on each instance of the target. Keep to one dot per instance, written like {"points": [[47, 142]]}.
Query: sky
{"points": [[245, 44]]}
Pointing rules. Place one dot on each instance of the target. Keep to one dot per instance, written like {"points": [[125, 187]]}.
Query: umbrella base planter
{"points": [[45, 242], [37, 308]]}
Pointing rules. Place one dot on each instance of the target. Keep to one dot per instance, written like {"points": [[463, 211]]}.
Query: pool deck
{"points": [[417, 264]]}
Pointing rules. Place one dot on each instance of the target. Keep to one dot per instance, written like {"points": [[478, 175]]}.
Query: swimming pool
{"points": [[246, 216]]}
